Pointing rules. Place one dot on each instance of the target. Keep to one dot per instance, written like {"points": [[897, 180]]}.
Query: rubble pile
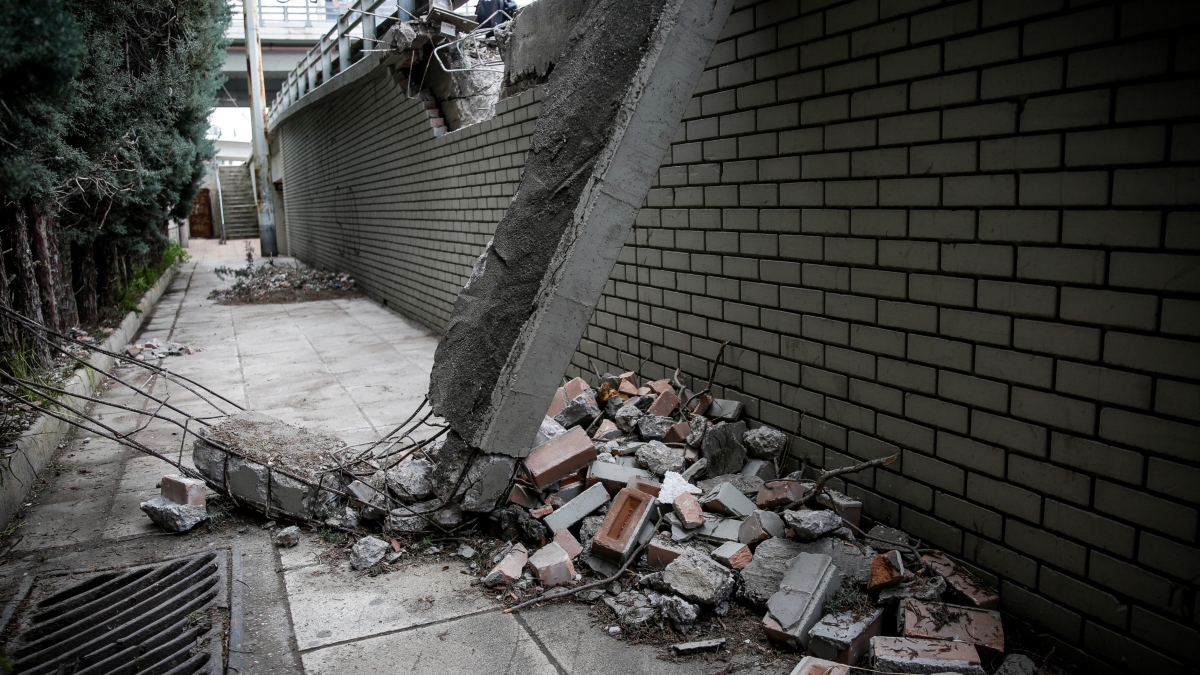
{"points": [[157, 349], [281, 283]]}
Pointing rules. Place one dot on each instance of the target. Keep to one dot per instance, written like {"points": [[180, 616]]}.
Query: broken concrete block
{"points": [[845, 636], [733, 555], [1017, 664], [578, 508], [909, 655], [810, 580], [614, 476], [552, 565], [568, 542], [560, 457], [678, 432], [776, 493], [749, 485], [760, 526], [853, 559], [182, 490], [699, 578], [673, 485], [809, 525], [760, 468], [622, 525], [688, 510], [549, 430], [811, 665], [508, 569], [662, 551], [633, 609], [288, 537], [370, 502], [658, 459], [607, 431], [764, 443], [367, 551], [697, 430], [725, 410], [652, 488], [938, 621], [965, 586], [628, 416], [887, 569], [665, 405], [848, 508], [347, 519], [411, 479], [761, 578], [722, 447], [728, 500], [579, 411], [653, 427], [174, 517]]}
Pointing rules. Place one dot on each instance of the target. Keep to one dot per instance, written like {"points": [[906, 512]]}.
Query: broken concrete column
{"points": [[612, 106]]}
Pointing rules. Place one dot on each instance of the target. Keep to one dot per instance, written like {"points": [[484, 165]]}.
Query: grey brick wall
{"points": [[967, 232]]}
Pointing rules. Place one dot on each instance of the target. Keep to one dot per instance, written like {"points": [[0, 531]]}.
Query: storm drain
{"points": [[167, 617]]}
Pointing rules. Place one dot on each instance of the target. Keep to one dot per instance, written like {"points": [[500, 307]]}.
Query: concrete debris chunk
{"points": [[579, 411], [486, 480], [653, 427], [410, 480], [759, 468], [658, 459], [699, 578], [552, 565], [622, 526], [728, 500], [723, 449], [881, 535], [615, 476], [508, 569], [964, 585], [760, 526], [761, 578], [725, 410], [887, 569], [845, 636], [1017, 664], [685, 648], [811, 665], [347, 518], [632, 608], [674, 485], [808, 583], [607, 431], [412, 518], [182, 490], [697, 469], [809, 525], [627, 417], [678, 611], [465, 552], [776, 493], [909, 655], [370, 502], [747, 484], [662, 551], [578, 508], [549, 430], [368, 551], [560, 457], [697, 429], [853, 559], [764, 442], [937, 621], [733, 555], [174, 517], [848, 508], [288, 537]]}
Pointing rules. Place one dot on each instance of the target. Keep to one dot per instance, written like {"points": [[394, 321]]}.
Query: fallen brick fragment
{"points": [[966, 586], [662, 551], [182, 490], [560, 457], [665, 404], [578, 508], [542, 511], [568, 542], [523, 496], [908, 655], [509, 569], [760, 526], [650, 487], [809, 582], [687, 508], [887, 569], [615, 477], [607, 431], [557, 403], [661, 386], [728, 500], [776, 493], [938, 621], [844, 637], [733, 555], [684, 648], [576, 387], [552, 565], [811, 665], [678, 433], [622, 526]]}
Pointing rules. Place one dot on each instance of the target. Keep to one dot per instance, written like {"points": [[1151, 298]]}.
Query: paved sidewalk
{"points": [[350, 368]]}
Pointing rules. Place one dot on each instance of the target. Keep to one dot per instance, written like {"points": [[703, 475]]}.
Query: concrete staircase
{"points": [[240, 211]]}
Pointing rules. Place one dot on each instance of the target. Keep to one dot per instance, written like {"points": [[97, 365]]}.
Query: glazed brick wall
{"points": [[966, 232]]}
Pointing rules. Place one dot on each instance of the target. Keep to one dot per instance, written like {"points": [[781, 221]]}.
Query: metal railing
{"points": [[293, 12], [359, 25]]}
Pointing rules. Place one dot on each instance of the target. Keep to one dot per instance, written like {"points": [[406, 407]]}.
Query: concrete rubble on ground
{"points": [[157, 349], [180, 506]]}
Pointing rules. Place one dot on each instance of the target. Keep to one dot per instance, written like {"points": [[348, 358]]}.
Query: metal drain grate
{"points": [[170, 617]]}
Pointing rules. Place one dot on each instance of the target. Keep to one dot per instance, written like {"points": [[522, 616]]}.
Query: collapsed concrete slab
{"points": [[611, 109]]}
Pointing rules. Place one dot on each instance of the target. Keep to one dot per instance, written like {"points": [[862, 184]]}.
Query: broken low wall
{"points": [[965, 231]]}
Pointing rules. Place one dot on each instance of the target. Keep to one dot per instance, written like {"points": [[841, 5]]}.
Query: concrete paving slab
{"points": [[332, 605], [63, 524], [126, 519]]}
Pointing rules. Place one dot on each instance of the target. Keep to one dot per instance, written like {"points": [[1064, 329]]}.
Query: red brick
{"points": [[644, 391], [608, 431], [575, 387], [811, 665], [627, 389], [664, 405], [648, 486], [542, 511], [699, 404], [552, 565], [509, 569], [662, 551], [887, 651], [687, 508], [975, 592], [885, 572], [779, 493], [661, 386], [619, 532], [557, 403], [523, 496], [183, 490], [678, 433], [938, 621], [568, 542], [733, 555], [560, 457]]}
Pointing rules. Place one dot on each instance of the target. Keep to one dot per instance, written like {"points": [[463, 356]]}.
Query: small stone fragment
{"points": [[627, 417], [678, 611], [174, 517], [887, 569], [1017, 664], [723, 449], [367, 551], [764, 442], [674, 485], [508, 569], [658, 459], [288, 537], [964, 585], [809, 525], [465, 552], [699, 578]]}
